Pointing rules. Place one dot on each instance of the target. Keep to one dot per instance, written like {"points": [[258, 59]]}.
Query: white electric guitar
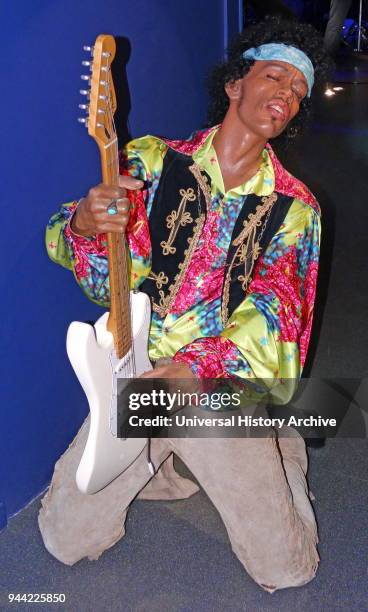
{"points": [[116, 346]]}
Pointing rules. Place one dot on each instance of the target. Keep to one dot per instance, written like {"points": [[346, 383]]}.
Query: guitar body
{"points": [[91, 352]]}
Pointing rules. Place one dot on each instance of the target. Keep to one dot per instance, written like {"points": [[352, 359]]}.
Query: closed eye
{"points": [[298, 94], [270, 76]]}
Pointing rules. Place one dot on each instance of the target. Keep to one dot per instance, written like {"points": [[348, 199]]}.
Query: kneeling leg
{"points": [[246, 479], [74, 525]]}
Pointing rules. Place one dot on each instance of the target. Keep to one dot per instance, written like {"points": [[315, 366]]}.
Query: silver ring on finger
{"points": [[112, 208]]}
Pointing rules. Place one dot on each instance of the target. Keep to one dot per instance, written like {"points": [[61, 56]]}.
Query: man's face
{"points": [[268, 97]]}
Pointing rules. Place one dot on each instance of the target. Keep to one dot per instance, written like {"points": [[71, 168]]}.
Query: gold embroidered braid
{"points": [[255, 219], [178, 218], [248, 250], [167, 301], [203, 184], [160, 279]]}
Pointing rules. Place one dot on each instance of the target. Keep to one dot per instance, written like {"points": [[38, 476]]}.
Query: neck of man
{"points": [[238, 150]]}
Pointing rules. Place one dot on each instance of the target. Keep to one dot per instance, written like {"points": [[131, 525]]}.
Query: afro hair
{"points": [[276, 30]]}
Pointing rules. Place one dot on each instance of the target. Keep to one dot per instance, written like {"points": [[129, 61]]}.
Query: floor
{"points": [[176, 557]]}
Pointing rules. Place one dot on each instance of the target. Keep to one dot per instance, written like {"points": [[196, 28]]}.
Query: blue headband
{"points": [[284, 53]]}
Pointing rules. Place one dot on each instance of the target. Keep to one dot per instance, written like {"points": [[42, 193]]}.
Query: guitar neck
{"points": [[101, 110], [119, 322]]}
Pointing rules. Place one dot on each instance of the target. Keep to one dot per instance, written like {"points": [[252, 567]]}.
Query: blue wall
{"points": [[49, 159]]}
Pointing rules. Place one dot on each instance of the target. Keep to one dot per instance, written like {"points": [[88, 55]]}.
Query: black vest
{"points": [[176, 221]]}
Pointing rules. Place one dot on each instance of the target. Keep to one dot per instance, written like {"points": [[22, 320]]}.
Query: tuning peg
{"points": [[85, 77], [103, 83], [86, 63], [100, 111], [83, 106], [106, 54], [88, 48], [84, 92], [83, 120], [99, 125], [101, 97]]}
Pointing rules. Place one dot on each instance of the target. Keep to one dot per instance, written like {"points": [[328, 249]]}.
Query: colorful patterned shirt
{"points": [[267, 335]]}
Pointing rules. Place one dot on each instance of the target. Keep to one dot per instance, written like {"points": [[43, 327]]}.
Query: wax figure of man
{"points": [[216, 312]]}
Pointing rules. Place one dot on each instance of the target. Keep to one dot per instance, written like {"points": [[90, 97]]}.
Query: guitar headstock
{"points": [[101, 100]]}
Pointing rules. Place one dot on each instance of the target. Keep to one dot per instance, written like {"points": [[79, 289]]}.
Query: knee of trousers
{"points": [[74, 526], [275, 542], [275, 570]]}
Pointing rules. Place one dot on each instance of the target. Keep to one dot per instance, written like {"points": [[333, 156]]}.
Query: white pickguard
{"points": [[92, 355]]}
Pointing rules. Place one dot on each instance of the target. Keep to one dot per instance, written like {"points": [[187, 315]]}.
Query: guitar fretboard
{"points": [[119, 323]]}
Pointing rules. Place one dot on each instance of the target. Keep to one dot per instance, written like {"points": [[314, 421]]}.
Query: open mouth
{"points": [[278, 110]]}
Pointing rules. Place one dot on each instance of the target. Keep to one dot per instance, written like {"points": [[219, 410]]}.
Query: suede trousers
{"points": [[258, 486]]}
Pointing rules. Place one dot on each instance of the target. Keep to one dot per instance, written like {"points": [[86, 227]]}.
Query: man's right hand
{"points": [[92, 217]]}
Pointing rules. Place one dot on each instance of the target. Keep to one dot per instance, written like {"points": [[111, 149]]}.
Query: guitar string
{"points": [[131, 354], [131, 361]]}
